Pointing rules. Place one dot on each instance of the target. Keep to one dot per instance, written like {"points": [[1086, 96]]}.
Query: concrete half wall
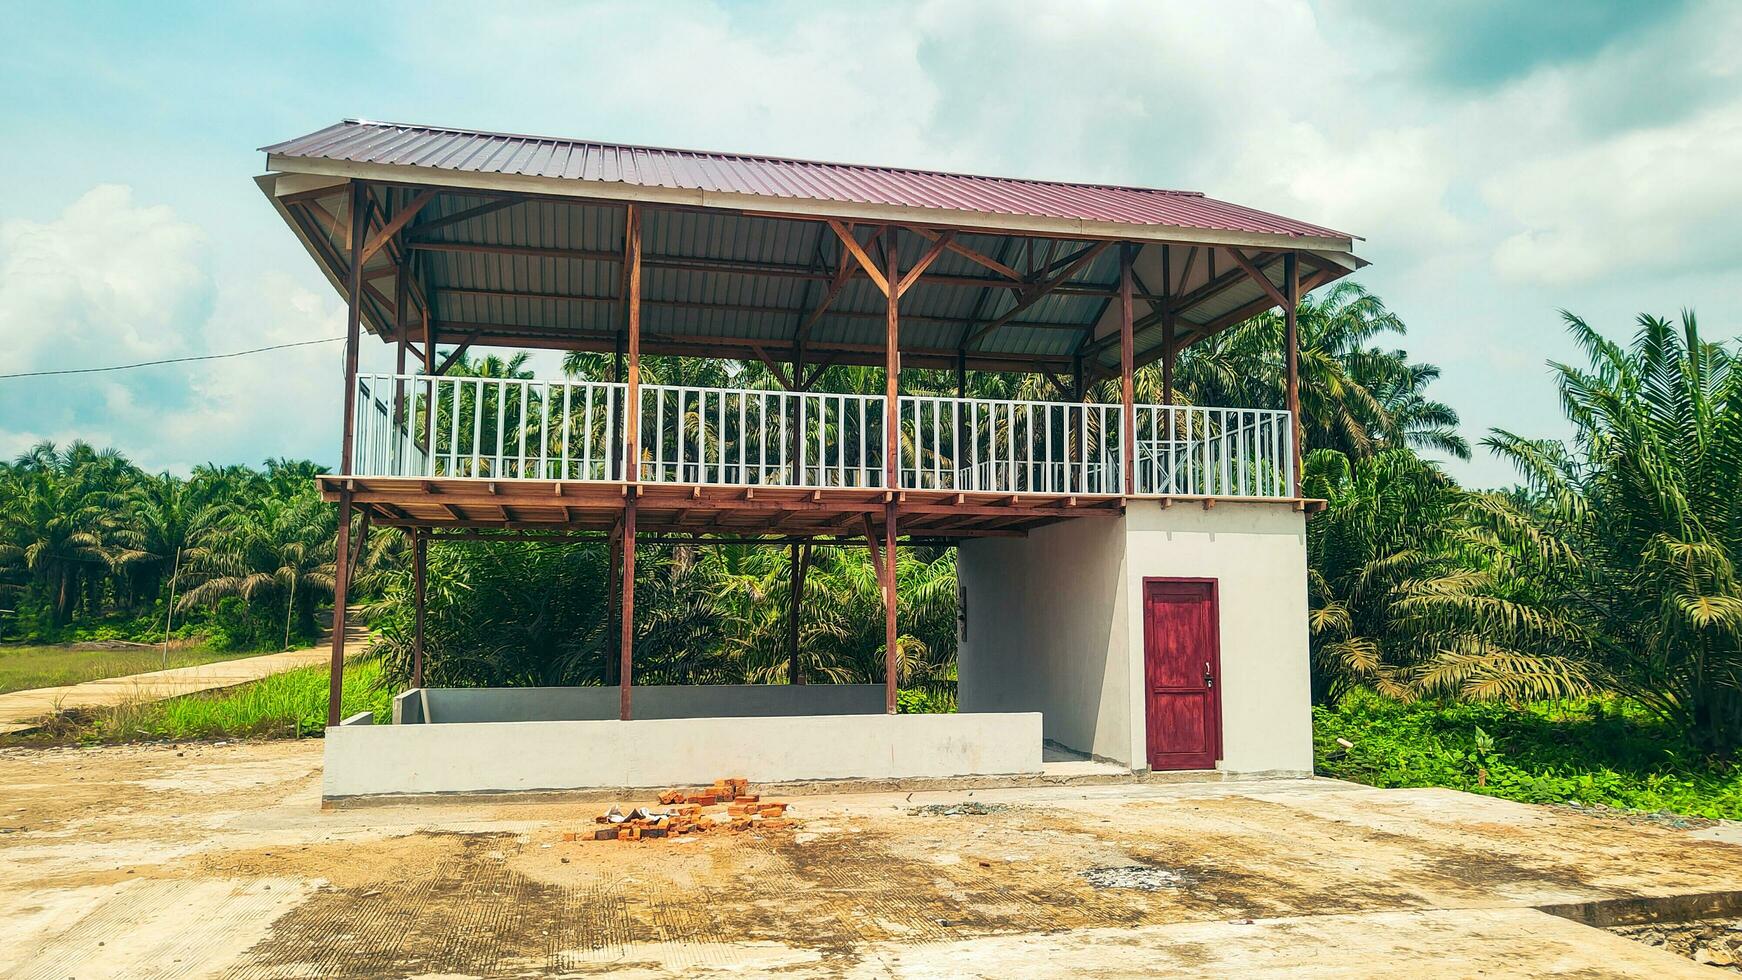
{"points": [[381, 760], [465, 705]]}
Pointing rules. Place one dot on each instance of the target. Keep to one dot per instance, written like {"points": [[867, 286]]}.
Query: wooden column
{"points": [[1291, 343], [1128, 409], [631, 456], [626, 627], [613, 601], [342, 557], [800, 560], [892, 448], [420, 596]]}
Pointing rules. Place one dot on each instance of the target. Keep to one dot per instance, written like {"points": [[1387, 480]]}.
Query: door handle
{"points": [[1209, 680]]}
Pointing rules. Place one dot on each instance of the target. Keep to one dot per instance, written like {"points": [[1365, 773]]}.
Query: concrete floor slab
{"points": [[216, 860]]}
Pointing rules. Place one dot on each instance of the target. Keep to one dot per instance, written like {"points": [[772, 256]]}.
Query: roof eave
{"points": [[1065, 228]]}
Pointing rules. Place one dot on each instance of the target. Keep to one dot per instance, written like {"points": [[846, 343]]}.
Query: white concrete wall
{"points": [[1257, 554], [1054, 623], [461, 705], [555, 755], [1045, 630]]}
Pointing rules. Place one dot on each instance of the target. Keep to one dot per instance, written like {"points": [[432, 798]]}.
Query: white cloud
{"points": [[110, 282], [106, 281], [1661, 199]]}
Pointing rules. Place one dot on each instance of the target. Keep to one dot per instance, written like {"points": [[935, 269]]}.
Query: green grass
{"points": [[25, 667], [1594, 751], [288, 705]]}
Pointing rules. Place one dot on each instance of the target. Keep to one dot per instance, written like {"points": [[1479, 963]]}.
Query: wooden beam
{"points": [[456, 353], [1038, 292], [626, 625], [631, 453], [1127, 354], [1290, 307], [397, 222], [1258, 276], [851, 244], [891, 637], [971, 255], [424, 231], [912, 275]]}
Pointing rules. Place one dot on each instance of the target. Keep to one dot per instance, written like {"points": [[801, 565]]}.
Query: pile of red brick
{"points": [[695, 812]]}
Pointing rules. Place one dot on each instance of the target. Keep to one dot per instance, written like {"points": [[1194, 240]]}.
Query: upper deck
{"points": [[472, 451]]}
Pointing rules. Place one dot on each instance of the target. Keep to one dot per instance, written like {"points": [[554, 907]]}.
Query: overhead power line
{"points": [[168, 360]]}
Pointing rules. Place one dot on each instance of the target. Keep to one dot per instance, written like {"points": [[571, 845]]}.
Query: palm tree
{"points": [[58, 520], [166, 524], [1618, 557], [1355, 397], [277, 554]]}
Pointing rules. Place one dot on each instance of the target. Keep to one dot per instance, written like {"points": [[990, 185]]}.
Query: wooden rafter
{"points": [[971, 255], [434, 225], [1039, 291]]}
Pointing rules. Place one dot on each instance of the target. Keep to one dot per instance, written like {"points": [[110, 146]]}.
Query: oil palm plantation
{"points": [[1627, 537]]}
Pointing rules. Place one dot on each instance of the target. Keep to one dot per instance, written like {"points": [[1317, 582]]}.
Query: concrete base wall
{"points": [[375, 760], [1054, 623], [443, 706]]}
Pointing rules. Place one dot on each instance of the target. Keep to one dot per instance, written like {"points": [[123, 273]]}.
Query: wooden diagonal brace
{"points": [[871, 539], [912, 275], [1259, 277], [1038, 292], [858, 252], [400, 220]]}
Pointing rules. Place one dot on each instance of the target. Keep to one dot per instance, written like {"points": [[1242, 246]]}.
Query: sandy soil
{"points": [[209, 860]]}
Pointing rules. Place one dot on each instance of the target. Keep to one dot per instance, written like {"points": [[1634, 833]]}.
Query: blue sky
{"points": [[1501, 160]]}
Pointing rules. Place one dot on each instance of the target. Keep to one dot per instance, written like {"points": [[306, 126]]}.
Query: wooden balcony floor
{"points": [[704, 509]]}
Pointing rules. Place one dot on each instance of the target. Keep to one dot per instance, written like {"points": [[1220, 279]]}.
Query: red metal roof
{"points": [[469, 151]]}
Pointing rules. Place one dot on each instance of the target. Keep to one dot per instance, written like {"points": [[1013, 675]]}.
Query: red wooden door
{"points": [[1181, 667]]}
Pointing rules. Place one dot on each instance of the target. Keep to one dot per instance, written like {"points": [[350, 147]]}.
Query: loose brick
{"points": [[605, 833], [748, 798]]}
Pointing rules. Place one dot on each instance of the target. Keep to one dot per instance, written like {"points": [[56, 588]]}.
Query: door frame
{"points": [[1215, 594]]}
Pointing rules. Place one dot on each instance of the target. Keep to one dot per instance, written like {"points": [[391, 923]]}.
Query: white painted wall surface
{"points": [[1046, 630], [462, 705], [554, 755], [1257, 554], [1054, 623]]}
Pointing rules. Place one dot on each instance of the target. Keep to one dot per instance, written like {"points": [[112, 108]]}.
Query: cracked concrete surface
{"points": [[216, 860]]}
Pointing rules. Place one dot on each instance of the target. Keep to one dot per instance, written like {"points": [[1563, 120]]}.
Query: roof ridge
{"points": [[761, 157]]}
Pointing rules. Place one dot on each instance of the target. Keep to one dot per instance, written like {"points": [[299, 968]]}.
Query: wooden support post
{"points": [[613, 601], [892, 446], [1127, 354], [798, 564], [420, 597], [631, 455], [401, 340], [626, 634], [341, 558], [891, 668], [1291, 291]]}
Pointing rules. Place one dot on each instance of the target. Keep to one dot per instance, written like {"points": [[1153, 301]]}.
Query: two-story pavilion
{"points": [[1093, 606]]}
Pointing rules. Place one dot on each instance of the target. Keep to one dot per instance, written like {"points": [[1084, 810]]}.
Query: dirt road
{"points": [[217, 861]]}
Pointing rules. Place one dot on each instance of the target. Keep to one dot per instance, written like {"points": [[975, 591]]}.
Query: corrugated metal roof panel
{"points": [[360, 141]]}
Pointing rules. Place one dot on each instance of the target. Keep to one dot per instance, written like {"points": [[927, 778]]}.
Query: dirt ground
{"points": [[216, 860]]}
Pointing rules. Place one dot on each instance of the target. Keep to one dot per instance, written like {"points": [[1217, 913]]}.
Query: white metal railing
{"points": [[382, 443], [505, 429], [1009, 446], [1222, 452], [496, 428], [751, 438]]}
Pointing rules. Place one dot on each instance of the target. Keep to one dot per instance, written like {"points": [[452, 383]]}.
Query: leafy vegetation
{"points": [[288, 705], [1598, 750]]}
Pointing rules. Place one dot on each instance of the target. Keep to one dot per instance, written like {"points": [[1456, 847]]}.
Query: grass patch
{"points": [[288, 705], [24, 668], [1594, 751]]}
